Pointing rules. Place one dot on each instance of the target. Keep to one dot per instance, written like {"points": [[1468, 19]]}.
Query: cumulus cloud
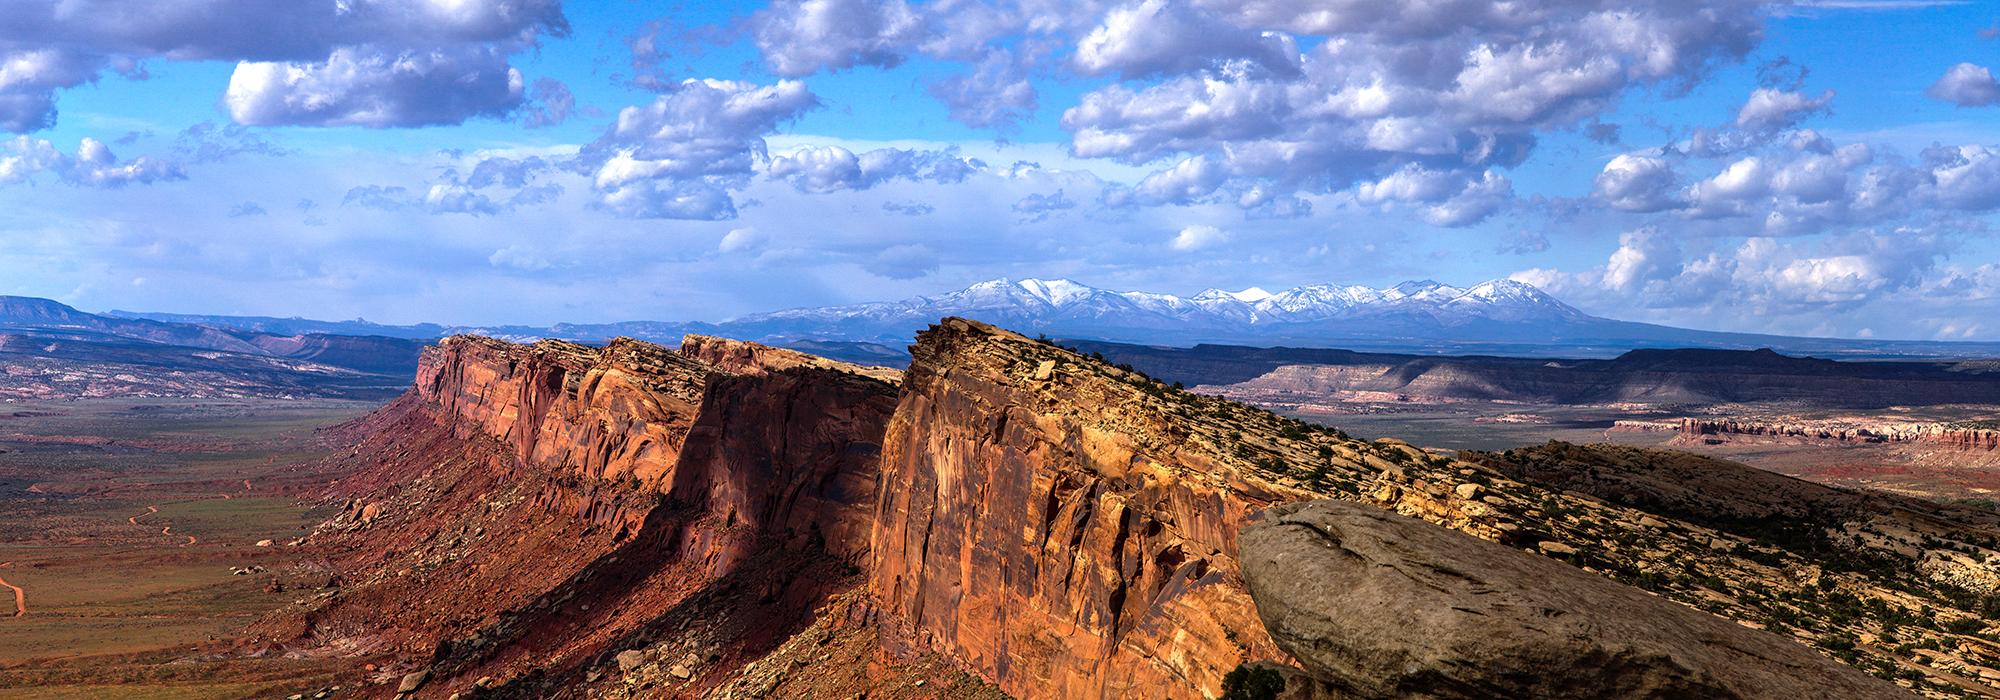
{"points": [[23, 159], [1805, 183], [1966, 85], [1156, 37], [1770, 110], [1185, 183], [378, 63], [1759, 275], [366, 87], [1447, 198], [800, 37], [1287, 97], [1448, 86], [1198, 237], [679, 156], [243, 209], [833, 168], [29, 80], [1637, 183]]}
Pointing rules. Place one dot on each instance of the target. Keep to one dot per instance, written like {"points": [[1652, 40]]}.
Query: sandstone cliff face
{"points": [[514, 480], [620, 413], [1476, 620], [1064, 545]]}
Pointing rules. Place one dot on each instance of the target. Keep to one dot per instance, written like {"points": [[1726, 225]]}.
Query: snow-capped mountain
{"points": [[1313, 313], [1501, 317]]}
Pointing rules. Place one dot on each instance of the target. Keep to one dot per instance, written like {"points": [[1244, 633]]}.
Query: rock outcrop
{"points": [[515, 480], [1063, 541], [1933, 434], [1050, 523], [1376, 605], [740, 357]]}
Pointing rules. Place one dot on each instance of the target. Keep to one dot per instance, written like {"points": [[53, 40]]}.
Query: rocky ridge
{"points": [[1051, 523]]}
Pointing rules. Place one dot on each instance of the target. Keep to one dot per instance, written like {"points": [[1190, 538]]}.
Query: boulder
{"points": [[413, 681], [1378, 605]]}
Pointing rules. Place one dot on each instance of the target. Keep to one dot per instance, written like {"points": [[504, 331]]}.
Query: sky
{"points": [[1821, 168]]}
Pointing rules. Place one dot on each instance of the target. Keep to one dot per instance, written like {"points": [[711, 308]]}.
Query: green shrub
{"points": [[1252, 683]]}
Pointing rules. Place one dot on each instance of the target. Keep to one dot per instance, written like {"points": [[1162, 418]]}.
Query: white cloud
{"points": [[1449, 198], [800, 37], [1185, 182], [678, 157], [1198, 237], [367, 87], [1732, 190], [1637, 183], [1156, 37], [1770, 109], [29, 79], [740, 239], [833, 168], [376, 63], [94, 165], [1966, 85]]}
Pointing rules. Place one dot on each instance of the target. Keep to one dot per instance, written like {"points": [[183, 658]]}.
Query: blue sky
{"points": [[1829, 168]]}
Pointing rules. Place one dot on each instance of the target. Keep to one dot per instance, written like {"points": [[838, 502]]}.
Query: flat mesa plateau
{"points": [[131, 530], [1934, 474]]}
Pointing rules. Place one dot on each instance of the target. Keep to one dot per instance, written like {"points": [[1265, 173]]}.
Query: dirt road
{"points": [[20, 596]]}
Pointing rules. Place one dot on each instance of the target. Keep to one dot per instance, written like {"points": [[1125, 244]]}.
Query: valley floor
{"points": [[140, 538]]}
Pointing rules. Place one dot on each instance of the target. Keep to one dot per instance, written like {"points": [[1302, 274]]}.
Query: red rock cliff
{"points": [[1037, 526], [513, 479]]}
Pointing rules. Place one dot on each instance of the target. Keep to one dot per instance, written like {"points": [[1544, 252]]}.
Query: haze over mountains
{"points": [[50, 350], [1503, 317]]}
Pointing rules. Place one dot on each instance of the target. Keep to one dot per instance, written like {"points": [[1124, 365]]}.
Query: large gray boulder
{"points": [[1378, 605]]}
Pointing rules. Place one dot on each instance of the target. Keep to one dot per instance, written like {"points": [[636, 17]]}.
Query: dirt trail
{"points": [[164, 529], [20, 596]]}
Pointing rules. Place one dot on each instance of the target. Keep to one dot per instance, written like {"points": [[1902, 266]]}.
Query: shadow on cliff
{"points": [[762, 521]]}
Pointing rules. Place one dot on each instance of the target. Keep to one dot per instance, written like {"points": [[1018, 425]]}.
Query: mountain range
{"points": [[1500, 317], [51, 350]]}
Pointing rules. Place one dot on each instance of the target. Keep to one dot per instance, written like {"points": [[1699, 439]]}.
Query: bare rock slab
{"points": [[1377, 605]]}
